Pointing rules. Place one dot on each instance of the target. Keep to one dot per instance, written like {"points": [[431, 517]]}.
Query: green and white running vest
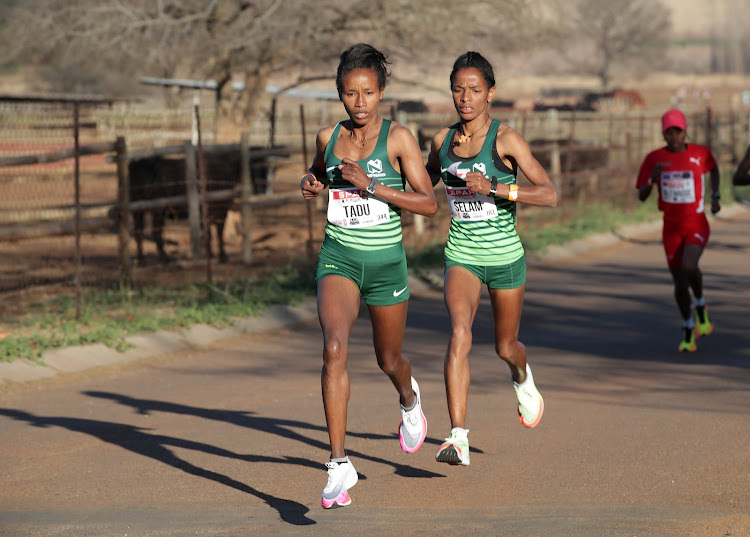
{"points": [[356, 218], [483, 230]]}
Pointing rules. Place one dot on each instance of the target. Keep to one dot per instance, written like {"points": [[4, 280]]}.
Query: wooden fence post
{"points": [[641, 123], [247, 188], [628, 150], [205, 220], [194, 200], [308, 207], [123, 208], [555, 168], [77, 180], [733, 135], [570, 153], [270, 169]]}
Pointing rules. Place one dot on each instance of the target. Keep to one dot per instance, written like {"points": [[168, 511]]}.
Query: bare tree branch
{"points": [[251, 41], [598, 36]]}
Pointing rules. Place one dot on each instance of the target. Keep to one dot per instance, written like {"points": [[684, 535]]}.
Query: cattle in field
{"points": [[163, 177]]}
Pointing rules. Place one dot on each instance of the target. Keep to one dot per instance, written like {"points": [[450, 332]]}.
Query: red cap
{"points": [[673, 118]]}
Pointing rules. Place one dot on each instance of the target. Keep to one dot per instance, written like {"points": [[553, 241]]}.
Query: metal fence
{"points": [[56, 212]]}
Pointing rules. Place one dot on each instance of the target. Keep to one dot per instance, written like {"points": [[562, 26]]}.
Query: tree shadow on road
{"points": [[154, 446]]}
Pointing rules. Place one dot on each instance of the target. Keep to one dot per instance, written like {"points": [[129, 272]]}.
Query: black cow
{"points": [[160, 177]]}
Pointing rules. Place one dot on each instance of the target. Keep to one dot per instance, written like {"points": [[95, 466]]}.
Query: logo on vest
{"points": [[479, 167], [375, 168]]}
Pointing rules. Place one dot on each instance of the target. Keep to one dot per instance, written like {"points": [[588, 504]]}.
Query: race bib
{"points": [[352, 207], [468, 205], [465, 204], [678, 187]]}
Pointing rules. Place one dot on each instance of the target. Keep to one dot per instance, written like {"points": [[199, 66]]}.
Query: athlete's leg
{"points": [[695, 242], [462, 292], [338, 307], [692, 271], [673, 238], [388, 325], [507, 305], [681, 290]]}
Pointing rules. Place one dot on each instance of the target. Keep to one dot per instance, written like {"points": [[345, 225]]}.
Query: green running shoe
{"points": [[703, 326], [687, 344]]}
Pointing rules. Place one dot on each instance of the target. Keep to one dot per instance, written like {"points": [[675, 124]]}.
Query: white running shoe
{"points": [[530, 402], [413, 427], [455, 449], [341, 477]]}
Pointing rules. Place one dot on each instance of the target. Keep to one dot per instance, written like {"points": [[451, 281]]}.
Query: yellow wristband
{"points": [[513, 192]]}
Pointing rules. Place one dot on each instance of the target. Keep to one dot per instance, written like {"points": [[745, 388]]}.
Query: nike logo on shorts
{"points": [[399, 293], [331, 168]]}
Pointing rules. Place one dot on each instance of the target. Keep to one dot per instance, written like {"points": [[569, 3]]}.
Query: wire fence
{"points": [[61, 194]]}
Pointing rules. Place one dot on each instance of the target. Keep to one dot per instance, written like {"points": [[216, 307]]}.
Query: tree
{"points": [[246, 41], [599, 35]]}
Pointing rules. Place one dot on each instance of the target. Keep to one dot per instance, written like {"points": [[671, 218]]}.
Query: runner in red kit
{"points": [[677, 171]]}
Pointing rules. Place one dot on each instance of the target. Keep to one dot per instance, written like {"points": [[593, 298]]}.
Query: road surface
{"points": [[636, 440]]}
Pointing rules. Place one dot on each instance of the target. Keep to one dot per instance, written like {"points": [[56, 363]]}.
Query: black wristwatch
{"points": [[371, 187], [493, 186]]}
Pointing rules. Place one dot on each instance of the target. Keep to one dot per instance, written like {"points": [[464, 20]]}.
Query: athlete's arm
{"points": [[315, 180], [648, 176], [645, 190], [433, 159], [742, 174], [543, 193]]}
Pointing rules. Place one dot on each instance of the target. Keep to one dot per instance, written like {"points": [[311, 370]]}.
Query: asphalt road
{"points": [[637, 439]]}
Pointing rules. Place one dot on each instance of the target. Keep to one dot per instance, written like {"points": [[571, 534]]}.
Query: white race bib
{"points": [[678, 187], [465, 204], [352, 207], [468, 205]]}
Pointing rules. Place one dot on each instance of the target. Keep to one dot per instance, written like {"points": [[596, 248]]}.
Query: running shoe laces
{"points": [[413, 427], [455, 449], [341, 477], [530, 402]]}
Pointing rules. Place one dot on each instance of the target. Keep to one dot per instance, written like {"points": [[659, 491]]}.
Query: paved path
{"points": [[229, 439]]}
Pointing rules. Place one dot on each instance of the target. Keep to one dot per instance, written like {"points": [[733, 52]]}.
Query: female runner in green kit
{"points": [[477, 159], [365, 162]]}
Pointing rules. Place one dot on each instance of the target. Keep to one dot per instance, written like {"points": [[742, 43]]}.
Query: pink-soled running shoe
{"points": [[413, 427], [530, 402], [341, 477]]}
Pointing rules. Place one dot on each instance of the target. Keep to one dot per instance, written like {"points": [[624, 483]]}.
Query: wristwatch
{"points": [[371, 187], [493, 186]]}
